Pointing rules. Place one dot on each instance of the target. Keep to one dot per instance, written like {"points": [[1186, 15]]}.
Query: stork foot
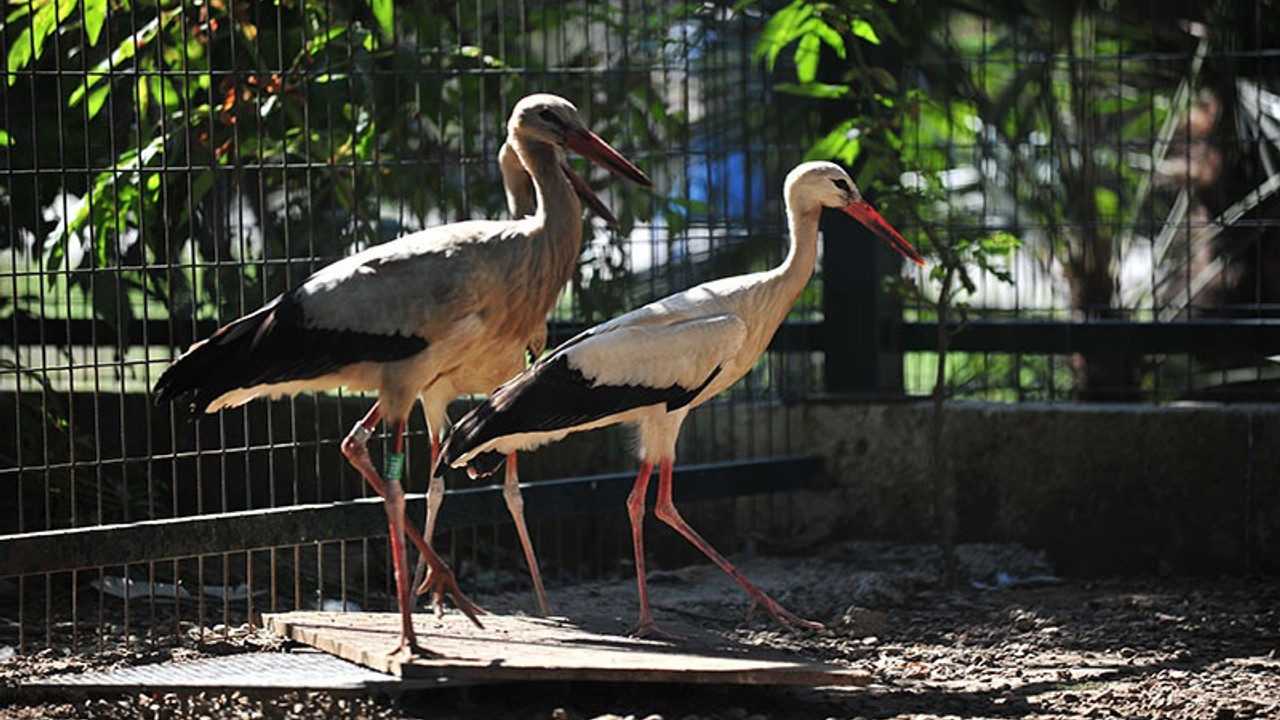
{"points": [[440, 581], [647, 628], [783, 616], [409, 649]]}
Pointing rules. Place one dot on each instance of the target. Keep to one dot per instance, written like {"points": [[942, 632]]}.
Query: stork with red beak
{"points": [[522, 201], [650, 367], [446, 311]]}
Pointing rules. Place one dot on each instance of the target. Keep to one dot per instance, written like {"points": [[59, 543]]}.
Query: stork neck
{"points": [[802, 255], [556, 199], [558, 211]]}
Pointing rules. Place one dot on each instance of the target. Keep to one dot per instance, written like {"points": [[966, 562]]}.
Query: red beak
{"points": [[589, 197], [862, 211], [589, 145]]}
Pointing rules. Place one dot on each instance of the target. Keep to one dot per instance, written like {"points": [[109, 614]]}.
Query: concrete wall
{"points": [[1103, 489]]}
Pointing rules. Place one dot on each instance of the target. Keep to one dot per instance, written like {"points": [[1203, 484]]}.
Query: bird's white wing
{"points": [[604, 373], [683, 352]]}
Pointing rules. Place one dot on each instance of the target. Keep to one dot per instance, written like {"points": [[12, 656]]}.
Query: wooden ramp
{"points": [[530, 649]]}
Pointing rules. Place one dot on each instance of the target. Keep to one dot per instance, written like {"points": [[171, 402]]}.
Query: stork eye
{"points": [[552, 118], [840, 183]]}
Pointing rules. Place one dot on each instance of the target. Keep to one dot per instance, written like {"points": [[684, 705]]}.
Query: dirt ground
{"points": [[1004, 639]]}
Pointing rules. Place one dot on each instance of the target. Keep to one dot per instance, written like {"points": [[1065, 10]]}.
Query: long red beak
{"points": [[589, 145], [862, 211], [589, 196]]}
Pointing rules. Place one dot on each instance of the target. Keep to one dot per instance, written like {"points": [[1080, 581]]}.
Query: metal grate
{"points": [[306, 670]]}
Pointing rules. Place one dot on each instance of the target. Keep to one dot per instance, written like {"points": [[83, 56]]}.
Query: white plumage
{"points": [[653, 365]]}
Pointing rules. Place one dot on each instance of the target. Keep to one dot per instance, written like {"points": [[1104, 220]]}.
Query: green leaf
{"points": [[781, 30], [127, 48], [95, 14], [384, 13], [1107, 201], [806, 58], [43, 23], [828, 35], [23, 10], [19, 55], [823, 91], [1000, 243], [861, 28], [97, 99], [842, 144], [46, 21], [319, 42]]}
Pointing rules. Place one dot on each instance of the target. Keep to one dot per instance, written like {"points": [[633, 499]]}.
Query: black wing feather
{"points": [[551, 396], [273, 345]]}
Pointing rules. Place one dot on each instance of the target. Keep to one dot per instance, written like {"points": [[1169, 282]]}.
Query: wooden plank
{"points": [[513, 648]]}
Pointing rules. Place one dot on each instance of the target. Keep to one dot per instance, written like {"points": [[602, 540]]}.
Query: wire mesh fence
{"points": [[1132, 151], [169, 168]]}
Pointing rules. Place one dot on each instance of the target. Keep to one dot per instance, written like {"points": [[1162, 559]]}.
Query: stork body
{"points": [[650, 367], [445, 311], [522, 202]]}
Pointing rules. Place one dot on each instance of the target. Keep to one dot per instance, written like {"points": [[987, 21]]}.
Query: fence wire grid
{"points": [[1108, 180]]}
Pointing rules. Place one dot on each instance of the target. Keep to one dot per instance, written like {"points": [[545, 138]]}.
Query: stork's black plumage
{"points": [[273, 345]]}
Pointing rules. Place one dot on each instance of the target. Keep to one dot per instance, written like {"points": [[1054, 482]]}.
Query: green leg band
{"points": [[395, 467]]}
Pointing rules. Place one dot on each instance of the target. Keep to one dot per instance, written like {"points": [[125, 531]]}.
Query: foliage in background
{"points": [[1049, 121], [190, 160], [227, 147], [845, 59]]}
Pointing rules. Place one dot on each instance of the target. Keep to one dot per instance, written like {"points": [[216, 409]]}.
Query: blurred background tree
{"points": [[1128, 144]]}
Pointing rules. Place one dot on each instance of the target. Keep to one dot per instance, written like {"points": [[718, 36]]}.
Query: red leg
{"points": [[394, 498], [645, 626], [515, 505], [666, 511], [354, 448]]}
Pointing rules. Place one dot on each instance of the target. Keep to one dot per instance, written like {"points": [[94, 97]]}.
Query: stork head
{"points": [[521, 200], [552, 119], [824, 184]]}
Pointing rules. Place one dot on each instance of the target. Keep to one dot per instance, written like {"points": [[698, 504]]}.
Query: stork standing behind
{"points": [[651, 366], [522, 202], [445, 311]]}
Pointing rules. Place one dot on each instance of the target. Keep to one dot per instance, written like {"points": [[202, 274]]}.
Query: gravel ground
{"points": [[1007, 640]]}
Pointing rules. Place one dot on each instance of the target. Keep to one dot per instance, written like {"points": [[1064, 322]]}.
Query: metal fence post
{"points": [[858, 314]]}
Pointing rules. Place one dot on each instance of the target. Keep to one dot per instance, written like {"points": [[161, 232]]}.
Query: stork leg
{"points": [[394, 501], [355, 449], [515, 505], [666, 512], [435, 498], [645, 626]]}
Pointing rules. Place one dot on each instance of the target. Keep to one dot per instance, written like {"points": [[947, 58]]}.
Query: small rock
{"points": [[861, 622], [1024, 622]]}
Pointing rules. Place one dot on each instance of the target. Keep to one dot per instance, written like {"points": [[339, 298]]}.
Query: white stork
{"points": [[445, 311], [522, 202], [651, 366]]}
